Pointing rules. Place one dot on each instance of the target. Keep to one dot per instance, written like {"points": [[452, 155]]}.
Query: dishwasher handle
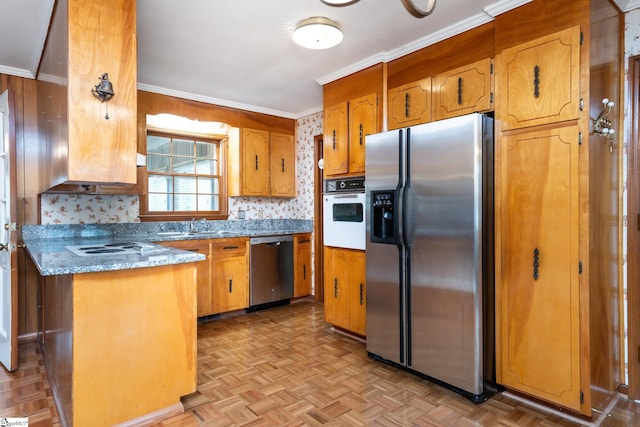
{"points": [[271, 240]]}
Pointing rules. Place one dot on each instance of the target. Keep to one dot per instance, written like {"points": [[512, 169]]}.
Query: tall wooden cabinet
{"points": [[539, 307], [543, 236], [84, 140], [345, 289]]}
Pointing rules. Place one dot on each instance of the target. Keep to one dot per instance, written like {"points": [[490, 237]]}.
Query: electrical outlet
{"points": [[241, 214]]}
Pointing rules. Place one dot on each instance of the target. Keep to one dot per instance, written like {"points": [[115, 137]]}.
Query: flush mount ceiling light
{"points": [[317, 33], [418, 8]]}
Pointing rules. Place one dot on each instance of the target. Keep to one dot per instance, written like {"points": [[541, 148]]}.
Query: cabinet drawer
{"points": [[222, 248]]}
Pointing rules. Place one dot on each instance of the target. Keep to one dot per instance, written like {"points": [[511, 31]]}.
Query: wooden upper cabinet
{"points": [[261, 164], [409, 104], [255, 162], [539, 80], [363, 114], [87, 39], [463, 90], [336, 139], [537, 276], [283, 165]]}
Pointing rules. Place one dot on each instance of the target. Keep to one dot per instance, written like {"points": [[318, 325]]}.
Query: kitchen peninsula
{"points": [[119, 313], [119, 327]]}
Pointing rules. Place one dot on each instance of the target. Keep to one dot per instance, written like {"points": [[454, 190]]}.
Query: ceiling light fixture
{"points": [[317, 33], [424, 7]]}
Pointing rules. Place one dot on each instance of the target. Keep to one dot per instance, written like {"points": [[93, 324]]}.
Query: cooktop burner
{"points": [[122, 248]]}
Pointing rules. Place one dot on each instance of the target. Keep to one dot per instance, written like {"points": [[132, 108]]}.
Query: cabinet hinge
{"points": [[581, 104], [377, 100], [581, 397], [581, 37], [580, 267], [491, 97], [579, 138], [491, 68]]}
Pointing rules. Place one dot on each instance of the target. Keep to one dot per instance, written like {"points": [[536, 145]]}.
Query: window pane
{"points": [[160, 202], [208, 202], [208, 185], [205, 150], [158, 163], [185, 202], [206, 167], [160, 184], [158, 144], [183, 147], [183, 165], [185, 184]]}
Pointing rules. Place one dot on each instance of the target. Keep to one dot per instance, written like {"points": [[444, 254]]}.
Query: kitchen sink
{"points": [[173, 233]]}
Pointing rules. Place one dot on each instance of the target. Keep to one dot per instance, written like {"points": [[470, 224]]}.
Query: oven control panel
{"points": [[343, 185]]}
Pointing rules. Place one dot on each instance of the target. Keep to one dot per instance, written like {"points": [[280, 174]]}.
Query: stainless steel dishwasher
{"points": [[271, 273]]}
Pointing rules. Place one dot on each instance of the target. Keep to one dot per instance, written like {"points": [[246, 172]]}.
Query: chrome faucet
{"points": [[193, 224]]}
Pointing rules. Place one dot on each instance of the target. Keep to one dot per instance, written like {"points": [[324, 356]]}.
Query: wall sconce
{"points": [[104, 91], [602, 125]]}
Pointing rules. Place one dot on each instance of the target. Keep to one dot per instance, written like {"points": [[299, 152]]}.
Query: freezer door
{"points": [[444, 229], [385, 272]]}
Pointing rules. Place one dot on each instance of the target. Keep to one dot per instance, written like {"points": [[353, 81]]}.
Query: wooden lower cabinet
{"points": [[120, 345], [302, 265], [223, 278], [205, 291], [345, 289], [538, 266]]}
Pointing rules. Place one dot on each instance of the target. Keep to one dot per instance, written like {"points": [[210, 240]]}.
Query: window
{"points": [[185, 175]]}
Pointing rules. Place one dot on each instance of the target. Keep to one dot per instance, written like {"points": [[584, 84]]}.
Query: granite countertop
{"points": [[47, 244]]}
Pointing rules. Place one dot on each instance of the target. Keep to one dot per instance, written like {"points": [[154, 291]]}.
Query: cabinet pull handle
{"points": [[304, 271], [230, 247], [334, 139], [283, 164], [230, 285], [305, 241], [536, 263], [256, 162], [361, 296], [459, 90], [536, 81], [406, 104], [335, 288], [360, 133]]}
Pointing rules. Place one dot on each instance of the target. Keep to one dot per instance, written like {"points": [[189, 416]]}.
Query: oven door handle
{"points": [[345, 196]]}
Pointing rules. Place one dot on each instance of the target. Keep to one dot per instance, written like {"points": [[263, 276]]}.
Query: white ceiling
{"points": [[240, 53]]}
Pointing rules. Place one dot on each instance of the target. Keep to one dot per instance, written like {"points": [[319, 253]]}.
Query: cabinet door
{"points": [[464, 90], [302, 263], [283, 165], [358, 300], [336, 288], [540, 80], [336, 140], [255, 162], [204, 288], [410, 104], [538, 273], [230, 285], [363, 115]]}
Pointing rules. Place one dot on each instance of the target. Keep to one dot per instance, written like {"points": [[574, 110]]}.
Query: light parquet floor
{"points": [[285, 367]]}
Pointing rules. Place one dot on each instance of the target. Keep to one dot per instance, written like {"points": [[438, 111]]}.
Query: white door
{"points": [[8, 291]]}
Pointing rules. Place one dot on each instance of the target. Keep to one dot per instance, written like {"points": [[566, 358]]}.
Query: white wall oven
{"points": [[344, 222]]}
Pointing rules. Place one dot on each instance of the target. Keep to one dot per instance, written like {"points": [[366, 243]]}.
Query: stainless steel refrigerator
{"points": [[429, 251]]}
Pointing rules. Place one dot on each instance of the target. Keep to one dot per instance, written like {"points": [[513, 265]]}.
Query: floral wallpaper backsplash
{"points": [[100, 209]]}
